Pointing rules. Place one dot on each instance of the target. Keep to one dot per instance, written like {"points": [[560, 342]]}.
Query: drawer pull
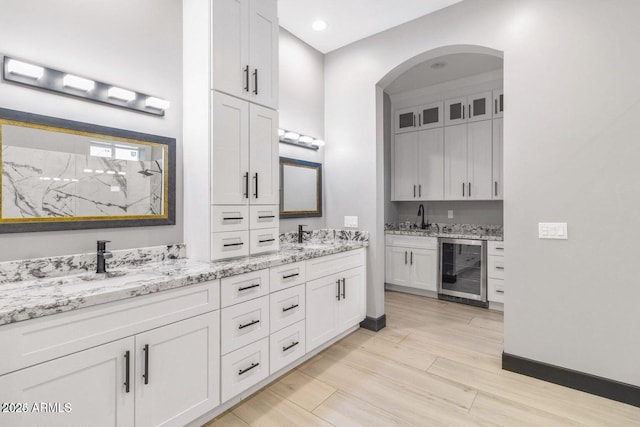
{"points": [[233, 218], [499, 248], [284, 309], [499, 291], [289, 276], [233, 244], [290, 346], [145, 375], [126, 371], [257, 285], [246, 325], [266, 216], [253, 365], [499, 267], [266, 240]]}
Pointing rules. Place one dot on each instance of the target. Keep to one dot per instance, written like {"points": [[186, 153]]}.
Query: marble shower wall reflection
{"points": [[54, 174]]}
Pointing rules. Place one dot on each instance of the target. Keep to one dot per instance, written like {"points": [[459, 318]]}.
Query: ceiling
{"points": [[457, 66], [350, 20]]}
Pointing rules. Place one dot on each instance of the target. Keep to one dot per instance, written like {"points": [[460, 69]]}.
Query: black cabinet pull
{"points": [[344, 288], [126, 371], [290, 346], [405, 257], [246, 325], [419, 190], [496, 105], [146, 364], [499, 268], [419, 120], [256, 178], [233, 244], [255, 81], [463, 189], [414, 120], [290, 276], [469, 189], [253, 365], [463, 111], [338, 283], [233, 218], [414, 190], [266, 216], [246, 78], [285, 309], [470, 112], [496, 187], [246, 185], [257, 285], [498, 291], [411, 257], [266, 240]]}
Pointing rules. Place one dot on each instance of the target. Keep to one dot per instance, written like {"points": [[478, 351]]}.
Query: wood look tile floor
{"points": [[436, 363]]}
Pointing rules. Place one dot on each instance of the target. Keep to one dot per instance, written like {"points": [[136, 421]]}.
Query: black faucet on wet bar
{"points": [[103, 254]]}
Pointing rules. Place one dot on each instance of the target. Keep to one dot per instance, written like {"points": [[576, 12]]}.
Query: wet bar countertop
{"points": [[451, 231], [34, 288]]}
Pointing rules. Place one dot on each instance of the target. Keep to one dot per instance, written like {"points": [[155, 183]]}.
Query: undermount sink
{"points": [[307, 246], [88, 277]]}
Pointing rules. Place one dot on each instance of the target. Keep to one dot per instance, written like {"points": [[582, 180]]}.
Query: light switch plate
{"points": [[351, 221], [553, 230]]}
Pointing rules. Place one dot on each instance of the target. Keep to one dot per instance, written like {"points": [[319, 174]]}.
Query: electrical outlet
{"points": [[450, 214], [552, 230], [351, 221]]}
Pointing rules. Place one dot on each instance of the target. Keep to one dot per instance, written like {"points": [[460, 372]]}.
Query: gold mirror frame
{"points": [[317, 187], [61, 127]]}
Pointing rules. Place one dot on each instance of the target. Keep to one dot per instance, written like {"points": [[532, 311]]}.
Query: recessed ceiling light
{"points": [[438, 65], [319, 25]]}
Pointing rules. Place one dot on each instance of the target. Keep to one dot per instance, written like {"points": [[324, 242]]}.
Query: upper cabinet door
{"points": [[229, 150], [497, 193], [455, 163], [406, 120], [230, 55], [263, 53], [455, 111], [404, 185], [430, 164], [479, 157], [479, 106], [431, 115], [263, 158], [498, 103]]}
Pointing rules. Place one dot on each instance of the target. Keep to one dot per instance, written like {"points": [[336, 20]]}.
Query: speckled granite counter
{"points": [[35, 288], [453, 231]]}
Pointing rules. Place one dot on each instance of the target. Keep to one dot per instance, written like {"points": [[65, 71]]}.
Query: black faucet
{"points": [[301, 233], [103, 254], [421, 212]]}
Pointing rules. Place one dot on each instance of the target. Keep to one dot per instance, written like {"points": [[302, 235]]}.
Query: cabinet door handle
{"points": [[255, 81], [469, 189], [470, 112], [266, 240], [253, 365], [256, 178], [246, 185], [499, 268], [233, 218], [233, 244], [146, 364], [463, 189], [496, 106], [290, 346], [126, 371], [257, 285], [419, 120], [498, 291], [246, 78], [499, 248], [463, 111], [411, 257], [246, 325], [405, 257], [285, 309], [414, 120], [419, 190], [344, 288], [338, 283], [414, 190], [289, 276], [496, 187]]}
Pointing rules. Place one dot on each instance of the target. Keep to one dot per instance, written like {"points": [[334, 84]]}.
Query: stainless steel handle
{"points": [[246, 325], [253, 365]]}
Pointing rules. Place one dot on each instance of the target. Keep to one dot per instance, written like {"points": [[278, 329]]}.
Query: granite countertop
{"points": [[452, 231], [36, 297]]}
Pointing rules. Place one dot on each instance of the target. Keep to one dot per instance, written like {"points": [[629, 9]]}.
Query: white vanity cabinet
{"points": [[412, 261], [245, 49], [495, 271], [335, 296]]}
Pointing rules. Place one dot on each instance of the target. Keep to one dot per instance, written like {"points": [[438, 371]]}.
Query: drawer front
{"points": [[230, 244], [38, 340], [287, 346], [229, 218], [265, 240], [495, 290], [331, 264], [287, 307], [495, 267], [495, 248], [244, 323], [287, 275], [417, 242], [244, 368], [264, 216], [243, 287]]}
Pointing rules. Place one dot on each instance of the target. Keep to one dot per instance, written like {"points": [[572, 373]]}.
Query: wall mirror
{"points": [[300, 188], [63, 175]]}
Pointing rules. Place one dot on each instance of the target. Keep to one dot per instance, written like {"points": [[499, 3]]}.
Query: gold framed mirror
{"points": [[59, 174], [300, 188]]}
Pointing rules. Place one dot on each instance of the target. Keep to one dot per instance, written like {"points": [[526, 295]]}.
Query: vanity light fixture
{"points": [[79, 83], [294, 138], [36, 76]]}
